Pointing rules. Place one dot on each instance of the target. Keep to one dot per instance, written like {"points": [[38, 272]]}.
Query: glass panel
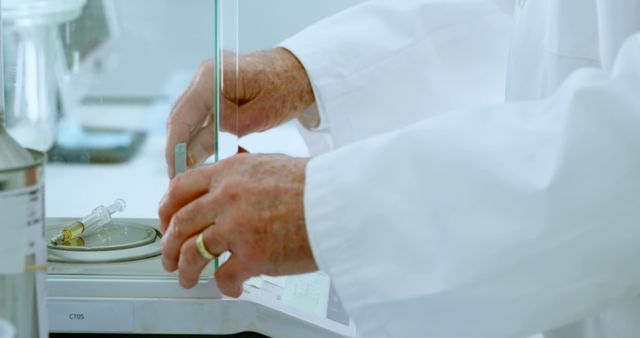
{"points": [[227, 102], [93, 83]]}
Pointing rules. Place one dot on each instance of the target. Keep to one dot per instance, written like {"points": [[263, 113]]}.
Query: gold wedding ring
{"points": [[202, 249]]}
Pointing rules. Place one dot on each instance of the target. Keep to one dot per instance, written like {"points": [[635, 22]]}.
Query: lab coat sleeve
{"points": [[494, 222], [366, 62]]}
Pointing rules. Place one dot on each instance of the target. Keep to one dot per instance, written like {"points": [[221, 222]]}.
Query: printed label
{"points": [[86, 317], [14, 206], [21, 235]]}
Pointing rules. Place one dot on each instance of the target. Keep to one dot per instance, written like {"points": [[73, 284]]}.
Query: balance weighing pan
{"points": [[118, 241]]}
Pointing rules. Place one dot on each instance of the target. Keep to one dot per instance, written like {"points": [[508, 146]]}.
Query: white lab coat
{"points": [[447, 212]]}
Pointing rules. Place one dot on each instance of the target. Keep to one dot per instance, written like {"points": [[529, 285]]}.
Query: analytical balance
{"points": [[113, 282], [121, 62]]}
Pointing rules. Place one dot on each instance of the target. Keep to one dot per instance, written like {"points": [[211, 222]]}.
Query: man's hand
{"points": [[260, 91], [249, 205]]}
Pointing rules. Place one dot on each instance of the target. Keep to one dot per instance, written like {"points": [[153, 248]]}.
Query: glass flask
{"points": [[31, 65]]}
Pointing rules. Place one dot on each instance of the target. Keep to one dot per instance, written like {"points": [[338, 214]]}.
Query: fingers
{"points": [[186, 223], [192, 263], [232, 274], [202, 143], [190, 112], [182, 190], [201, 146]]}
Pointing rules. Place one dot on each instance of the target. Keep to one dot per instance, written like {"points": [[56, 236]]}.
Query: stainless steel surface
{"points": [[21, 174], [117, 235], [147, 268], [119, 241], [113, 256]]}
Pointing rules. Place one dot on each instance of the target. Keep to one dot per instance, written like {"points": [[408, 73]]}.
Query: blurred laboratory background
{"points": [[92, 82]]}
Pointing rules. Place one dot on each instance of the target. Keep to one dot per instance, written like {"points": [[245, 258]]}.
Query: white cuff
{"points": [[315, 118]]}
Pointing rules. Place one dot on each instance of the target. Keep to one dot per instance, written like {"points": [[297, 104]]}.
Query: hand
{"points": [[265, 90], [249, 205]]}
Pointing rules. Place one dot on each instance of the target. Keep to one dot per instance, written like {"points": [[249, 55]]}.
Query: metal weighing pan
{"points": [[117, 241]]}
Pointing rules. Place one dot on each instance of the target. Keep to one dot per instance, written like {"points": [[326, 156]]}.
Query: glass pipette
{"points": [[99, 217]]}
